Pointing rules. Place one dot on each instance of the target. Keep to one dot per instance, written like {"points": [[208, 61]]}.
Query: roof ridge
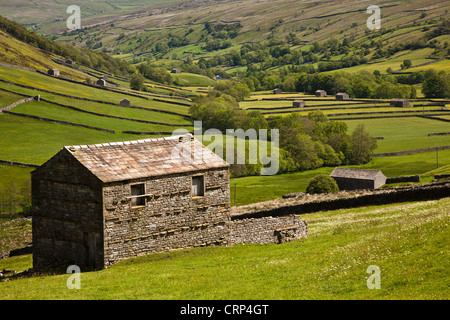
{"points": [[120, 143]]}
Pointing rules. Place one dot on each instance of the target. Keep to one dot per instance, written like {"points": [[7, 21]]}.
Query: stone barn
{"points": [[401, 103], [321, 93], [125, 102], [95, 205], [342, 96], [175, 70], [277, 91], [298, 104], [358, 179], [101, 82], [53, 72]]}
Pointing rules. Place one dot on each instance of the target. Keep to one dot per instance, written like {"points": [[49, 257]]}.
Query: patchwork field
{"points": [[24, 138]]}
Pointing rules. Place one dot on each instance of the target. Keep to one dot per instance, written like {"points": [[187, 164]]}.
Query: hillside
{"points": [[15, 52], [408, 242], [297, 46], [203, 29]]}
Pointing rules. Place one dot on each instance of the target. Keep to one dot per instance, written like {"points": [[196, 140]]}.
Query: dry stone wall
{"points": [[268, 230]]}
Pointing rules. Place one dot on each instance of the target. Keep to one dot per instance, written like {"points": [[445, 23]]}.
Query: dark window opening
{"points": [[198, 186], [138, 190]]}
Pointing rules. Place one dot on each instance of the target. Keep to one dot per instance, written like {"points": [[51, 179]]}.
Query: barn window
{"points": [[138, 195], [198, 186]]}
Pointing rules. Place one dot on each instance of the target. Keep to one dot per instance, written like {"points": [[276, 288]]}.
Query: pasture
{"points": [[408, 242]]}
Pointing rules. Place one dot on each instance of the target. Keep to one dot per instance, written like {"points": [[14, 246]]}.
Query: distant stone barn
{"points": [[358, 179], [125, 102], [401, 103], [321, 93], [95, 205], [277, 91], [298, 104], [342, 96], [101, 82], [53, 72]]}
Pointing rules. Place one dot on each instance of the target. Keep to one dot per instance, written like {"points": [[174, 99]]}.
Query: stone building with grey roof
{"points": [[358, 179], [95, 205]]}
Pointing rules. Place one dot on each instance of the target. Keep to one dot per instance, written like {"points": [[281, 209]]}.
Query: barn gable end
{"points": [[355, 179]]}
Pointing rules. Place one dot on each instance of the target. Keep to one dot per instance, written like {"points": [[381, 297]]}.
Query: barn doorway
{"points": [[90, 249]]}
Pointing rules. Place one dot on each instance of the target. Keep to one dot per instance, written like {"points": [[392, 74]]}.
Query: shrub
{"points": [[322, 184]]}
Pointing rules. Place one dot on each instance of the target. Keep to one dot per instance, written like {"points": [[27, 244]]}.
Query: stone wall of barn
{"points": [[354, 184], [268, 230], [66, 226], [170, 219]]}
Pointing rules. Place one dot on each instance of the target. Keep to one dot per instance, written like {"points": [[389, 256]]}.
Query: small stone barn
{"points": [[101, 82], [298, 104], [125, 102], [342, 96], [358, 179], [176, 70], [277, 91], [94, 205], [401, 103], [53, 72], [321, 93]]}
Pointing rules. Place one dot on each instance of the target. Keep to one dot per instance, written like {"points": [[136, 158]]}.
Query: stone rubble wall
{"points": [[171, 219], [268, 230]]}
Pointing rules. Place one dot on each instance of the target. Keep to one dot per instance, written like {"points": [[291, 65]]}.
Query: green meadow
{"points": [[407, 242]]}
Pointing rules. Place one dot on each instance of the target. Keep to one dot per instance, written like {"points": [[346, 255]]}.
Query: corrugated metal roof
{"points": [[117, 161], [355, 173]]}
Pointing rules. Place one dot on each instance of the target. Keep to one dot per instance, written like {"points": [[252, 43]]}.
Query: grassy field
{"points": [[404, 133], [191, 80], [408, 242], [23, 138]]}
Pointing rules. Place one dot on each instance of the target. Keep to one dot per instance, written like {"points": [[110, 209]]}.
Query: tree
{"points": [[137, 82], [362, 145], [322, 184], [237, 90], [435, 85], [407, 63]]}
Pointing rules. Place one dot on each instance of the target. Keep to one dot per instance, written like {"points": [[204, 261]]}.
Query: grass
{"points": [[192, 80], [47, 110], [402, 134], [408, 242], [15, 52], [261, 188], [34, 141], [14, 173]]}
